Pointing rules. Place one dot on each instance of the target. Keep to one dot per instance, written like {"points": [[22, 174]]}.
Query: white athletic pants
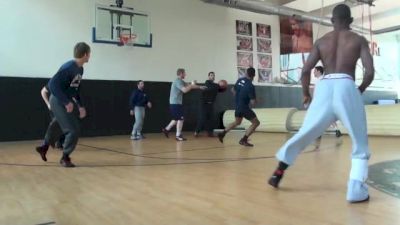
{"points": [[335, 98]]}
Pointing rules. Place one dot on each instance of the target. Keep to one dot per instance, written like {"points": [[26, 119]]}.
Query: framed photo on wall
{"points": [[263, 45], [244, 59], [264, 61], [244, 43], [241, 72], [263, 30], [264, 76], [243, 28]]}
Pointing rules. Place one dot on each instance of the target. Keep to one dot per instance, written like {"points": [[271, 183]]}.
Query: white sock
{"points": [[170, 125], [179, 126]]}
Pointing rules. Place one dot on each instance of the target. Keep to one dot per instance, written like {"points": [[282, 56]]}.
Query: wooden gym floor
{"points": [[200, 181]]}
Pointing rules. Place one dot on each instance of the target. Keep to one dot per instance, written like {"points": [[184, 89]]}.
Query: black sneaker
{"points": [[338, 133], [221, 137], [66, 162], [165, 131], [42, 150], [275, 180], [180, 138], [245, 143]]}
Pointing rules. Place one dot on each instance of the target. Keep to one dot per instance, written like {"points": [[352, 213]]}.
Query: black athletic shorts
{"points": [[248, 114], [176, 111]]}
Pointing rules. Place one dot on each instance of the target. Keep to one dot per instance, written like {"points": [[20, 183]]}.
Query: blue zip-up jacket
{"points": [[138, 98]]}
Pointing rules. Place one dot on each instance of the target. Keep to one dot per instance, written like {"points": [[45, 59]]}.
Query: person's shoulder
{"points": [[69, 65], [358, 37]]}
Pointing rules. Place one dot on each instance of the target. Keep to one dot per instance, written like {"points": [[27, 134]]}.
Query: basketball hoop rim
{"points": [[127, 39]]}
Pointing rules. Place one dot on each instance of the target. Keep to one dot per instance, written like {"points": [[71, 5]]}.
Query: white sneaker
{"points": [[357, 191]]}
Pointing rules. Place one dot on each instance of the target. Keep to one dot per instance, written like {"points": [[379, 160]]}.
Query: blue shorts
{"points": [[176, 111], [246, 113]]}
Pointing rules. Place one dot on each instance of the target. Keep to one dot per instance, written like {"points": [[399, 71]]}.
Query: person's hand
{"points": [[203, 87], [194, 82], [69, 107], [131, 112], [306, 101], [149, 105], [48, 106], [82, 112]]}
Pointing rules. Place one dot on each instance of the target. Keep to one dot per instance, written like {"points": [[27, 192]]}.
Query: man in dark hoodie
{"points": [[206, 108]]}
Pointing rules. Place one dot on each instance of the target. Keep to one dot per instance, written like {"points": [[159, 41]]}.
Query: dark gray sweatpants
{"points": [[69, 123]]}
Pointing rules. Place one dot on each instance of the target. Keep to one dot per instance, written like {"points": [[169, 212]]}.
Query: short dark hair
{"points": [[180, 71], [251, 72], [138, 82], [342, 13], [320, 69], [81, 49], [211, 72]]}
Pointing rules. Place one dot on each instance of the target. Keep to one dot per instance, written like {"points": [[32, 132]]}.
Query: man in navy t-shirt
{"points": [[245, 95]]}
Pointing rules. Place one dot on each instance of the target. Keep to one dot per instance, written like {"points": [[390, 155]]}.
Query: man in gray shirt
{"points": [[178, 88]]}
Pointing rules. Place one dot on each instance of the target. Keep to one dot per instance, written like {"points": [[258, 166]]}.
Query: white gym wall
{"points": [[38, 36]]}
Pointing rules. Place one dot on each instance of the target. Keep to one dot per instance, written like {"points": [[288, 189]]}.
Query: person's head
{"points": [[211, 76], [251, 73], [341, 15], [318, 71], [140, 84], [82, 52], [296, 26], [181, 73]]}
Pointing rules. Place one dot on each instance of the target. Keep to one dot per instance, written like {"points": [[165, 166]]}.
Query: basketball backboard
{"points": [[112, 22]]}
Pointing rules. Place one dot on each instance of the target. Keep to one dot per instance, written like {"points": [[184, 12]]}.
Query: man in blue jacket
{"points": [[138, 101]]}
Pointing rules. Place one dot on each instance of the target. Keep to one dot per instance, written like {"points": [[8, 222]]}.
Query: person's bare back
{"points": [[339, 51]]}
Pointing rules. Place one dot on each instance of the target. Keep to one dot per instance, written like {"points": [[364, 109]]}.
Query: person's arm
{"points": [[45, 95], [368, 63], [252, 96], [132, 100], [312, 60], [147, 101], [58, 86], [189, 87], [77, 99]]}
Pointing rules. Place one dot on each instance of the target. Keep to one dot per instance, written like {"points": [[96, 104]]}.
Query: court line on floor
{"points": [[194, 161]]}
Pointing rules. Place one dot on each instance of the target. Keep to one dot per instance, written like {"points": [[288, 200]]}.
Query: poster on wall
{"points": [[264, 61], [264, 45], [244, 59], [244, 43], [241, 72], [243, 28], [264, 76], [296, 35], [263, 30]]}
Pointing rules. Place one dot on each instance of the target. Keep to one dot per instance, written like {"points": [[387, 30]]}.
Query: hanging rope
{"points": [[320, 16]]}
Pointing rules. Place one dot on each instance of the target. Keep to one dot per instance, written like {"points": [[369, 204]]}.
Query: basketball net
{"points": [[127, 39]]}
